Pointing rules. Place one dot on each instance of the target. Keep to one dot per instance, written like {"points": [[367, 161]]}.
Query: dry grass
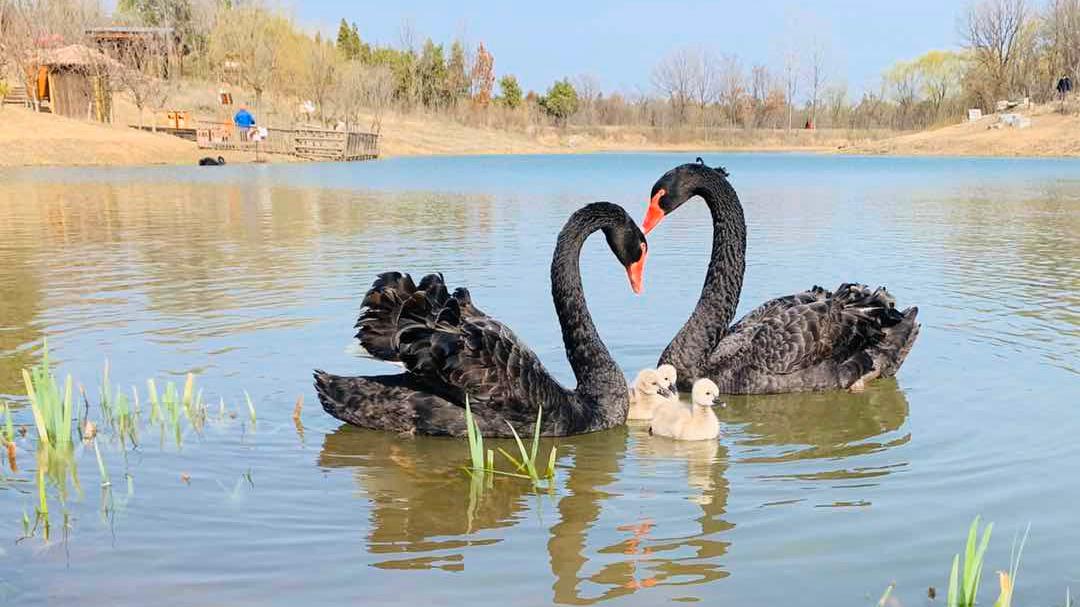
{"points": [[1050, 134], [31, 139]]}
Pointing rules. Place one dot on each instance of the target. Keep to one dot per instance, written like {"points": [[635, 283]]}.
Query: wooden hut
{"points": [[150, 50], [74, 81]]}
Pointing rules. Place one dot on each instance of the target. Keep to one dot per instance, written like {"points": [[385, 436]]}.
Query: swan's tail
{"points": [[381, 402], [333, 394], [891, 351], [877, 334]]}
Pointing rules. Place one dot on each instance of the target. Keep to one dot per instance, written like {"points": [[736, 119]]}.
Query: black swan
{"points": [[815, 340], [207, 161], [449, 349]]}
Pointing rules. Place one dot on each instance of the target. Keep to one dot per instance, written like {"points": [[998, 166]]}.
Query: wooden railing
{"points": [[310, 143]]}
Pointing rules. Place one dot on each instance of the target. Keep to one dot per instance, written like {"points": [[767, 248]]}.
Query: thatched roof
{"points": [[77, 55]]}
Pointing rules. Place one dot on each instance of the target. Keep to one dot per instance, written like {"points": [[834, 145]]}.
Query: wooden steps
{"points": [[16, 95]]}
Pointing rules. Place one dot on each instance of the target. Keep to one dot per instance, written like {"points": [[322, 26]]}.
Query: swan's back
{"points": [[814, 340]]}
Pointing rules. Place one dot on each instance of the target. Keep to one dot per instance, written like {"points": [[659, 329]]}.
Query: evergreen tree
{"points": [[433, 75], [345, 42], [457, 80], [511, 92], [561, 101]]}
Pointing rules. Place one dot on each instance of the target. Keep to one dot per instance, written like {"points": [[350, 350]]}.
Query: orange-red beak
{"points": [[637, 270], [655, 214]]}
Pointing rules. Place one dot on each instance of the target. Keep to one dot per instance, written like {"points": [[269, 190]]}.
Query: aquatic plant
{"points": [[525, 467], [51, 406], [884, 600], [476, 439], [9, 436], [1007, 579], [9, 427], [527, 463], [251, 406], [101, 467], [963, 590]]}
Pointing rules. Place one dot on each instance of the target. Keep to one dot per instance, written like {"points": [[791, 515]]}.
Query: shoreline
{"points": [[43, 140]]}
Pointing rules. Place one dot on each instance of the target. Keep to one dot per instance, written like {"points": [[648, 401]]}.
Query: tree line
{"points": [[1010, 48]]}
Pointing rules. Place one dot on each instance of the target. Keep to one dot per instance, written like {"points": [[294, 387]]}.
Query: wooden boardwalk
{"points": [[305, 142]]}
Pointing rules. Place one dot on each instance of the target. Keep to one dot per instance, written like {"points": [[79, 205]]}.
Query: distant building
{"points": [[150, 50], [74, 81]]}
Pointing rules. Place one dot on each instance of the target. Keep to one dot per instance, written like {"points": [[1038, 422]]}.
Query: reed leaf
{"points": [[250, 405], [476, 439]]}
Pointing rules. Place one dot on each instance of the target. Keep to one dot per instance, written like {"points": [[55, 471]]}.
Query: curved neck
{"points": [[595, 370], [723, 281]]}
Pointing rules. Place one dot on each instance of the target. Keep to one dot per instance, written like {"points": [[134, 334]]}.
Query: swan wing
{"points": [[379, 323], [811, 295], [798, 334], [478, 356]]}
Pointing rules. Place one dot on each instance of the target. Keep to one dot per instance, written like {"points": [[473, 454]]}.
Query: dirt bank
{"points": [[31, 139], [1050, 134]]}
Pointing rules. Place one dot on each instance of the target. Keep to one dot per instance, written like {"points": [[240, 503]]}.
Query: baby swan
{"points": [[698, 422], [668, 376], [648, 391]]}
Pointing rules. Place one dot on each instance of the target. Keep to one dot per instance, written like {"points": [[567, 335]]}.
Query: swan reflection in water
{"points": [[635, 513], [832, 439]]}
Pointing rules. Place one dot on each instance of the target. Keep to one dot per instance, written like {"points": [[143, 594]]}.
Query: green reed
{"points": [[963, 589], [51, 406], [250, 406], [527, 463], [526, 467], [9, 426], [476, 442]]}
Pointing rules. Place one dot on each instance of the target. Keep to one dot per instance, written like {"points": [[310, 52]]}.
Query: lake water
{"points": [[250, 276]]}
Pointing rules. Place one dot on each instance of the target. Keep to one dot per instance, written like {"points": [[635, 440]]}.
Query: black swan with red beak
{"points": [[814, 340], [450, 350]]}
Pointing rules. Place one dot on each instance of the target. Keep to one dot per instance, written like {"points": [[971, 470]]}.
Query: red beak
{"points": [[655, 214], [636, 270]]}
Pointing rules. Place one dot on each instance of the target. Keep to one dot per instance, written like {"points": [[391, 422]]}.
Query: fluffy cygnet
{"points": [[696, 422], [648, 392]]}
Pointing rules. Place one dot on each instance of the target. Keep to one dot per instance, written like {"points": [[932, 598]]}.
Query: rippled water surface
{"points": [[250, 276]]}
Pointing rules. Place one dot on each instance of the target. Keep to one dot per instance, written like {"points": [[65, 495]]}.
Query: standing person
{"points": [[243, 121]]}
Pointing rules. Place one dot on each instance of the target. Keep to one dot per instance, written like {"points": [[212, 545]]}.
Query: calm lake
{"points": [[250, 276]]}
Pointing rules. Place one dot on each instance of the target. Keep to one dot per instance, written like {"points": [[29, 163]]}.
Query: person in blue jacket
{"points": [[244, 121]]}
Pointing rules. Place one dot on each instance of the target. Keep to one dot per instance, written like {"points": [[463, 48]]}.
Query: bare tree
{"points": [[835, 97], [245, 38], [732, 85], [791, 81], [764, 97], [29, 26], [1063, 36], [321, 70], [816, 75], [363, 89], [139, 75], [992, 31], [705, 76], [589, 92], [674, 77]]}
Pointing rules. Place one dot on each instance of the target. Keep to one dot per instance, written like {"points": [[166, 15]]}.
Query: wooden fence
{"points": [[310, 143]]}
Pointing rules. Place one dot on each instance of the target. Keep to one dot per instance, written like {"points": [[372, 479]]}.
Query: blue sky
{"points": [[619, 42]]}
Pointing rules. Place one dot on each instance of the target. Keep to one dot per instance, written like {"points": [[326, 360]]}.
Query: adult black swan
{"points": [[208, 161], [814, 340], [451, 349]]}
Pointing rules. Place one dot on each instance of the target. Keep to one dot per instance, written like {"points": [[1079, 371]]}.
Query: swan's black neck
{"points": [[723, 280], [601, 386]]}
